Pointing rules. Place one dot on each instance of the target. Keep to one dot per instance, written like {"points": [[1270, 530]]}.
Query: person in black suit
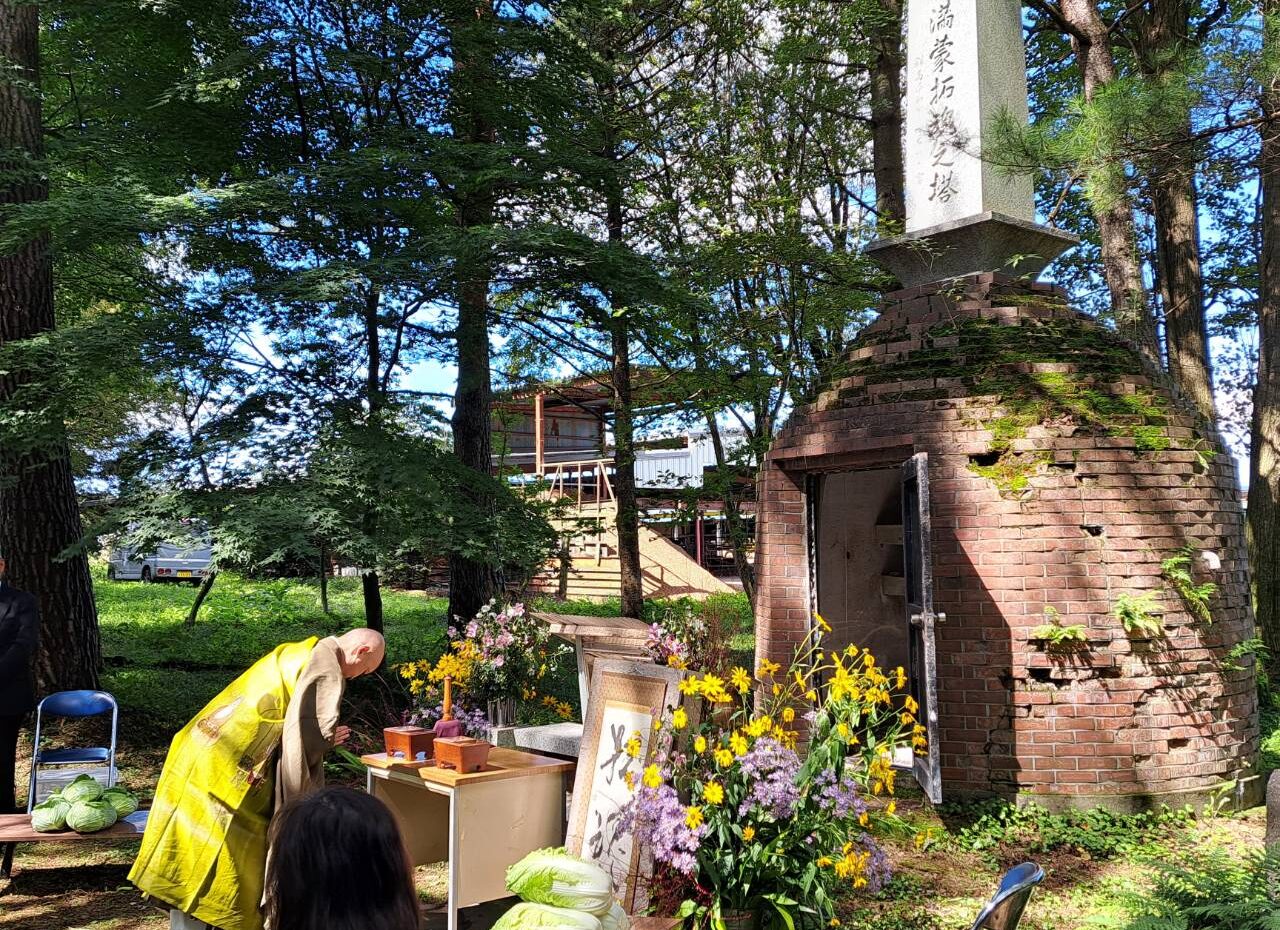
{"points": [[19, 635]]}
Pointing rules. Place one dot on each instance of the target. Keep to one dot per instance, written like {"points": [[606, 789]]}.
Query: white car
{"points": [[167, 563]]}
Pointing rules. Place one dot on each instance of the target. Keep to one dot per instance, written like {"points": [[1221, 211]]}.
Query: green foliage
{"points": [[1098, 833], [1177, 571], [1252, 647], [1055, 636], [1212, 890], [1139, 614]]}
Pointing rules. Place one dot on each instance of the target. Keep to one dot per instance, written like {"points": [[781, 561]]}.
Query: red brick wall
{"points": [[1122, 717]]}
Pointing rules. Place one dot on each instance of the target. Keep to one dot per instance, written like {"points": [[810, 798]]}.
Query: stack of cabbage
{"points": [[84, 806], [560, 892]]}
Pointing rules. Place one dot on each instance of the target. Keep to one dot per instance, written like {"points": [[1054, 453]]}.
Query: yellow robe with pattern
{"points": [[205, 847]]}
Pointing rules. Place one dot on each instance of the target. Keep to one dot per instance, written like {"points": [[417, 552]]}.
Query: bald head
{"points": [[360, 651]]}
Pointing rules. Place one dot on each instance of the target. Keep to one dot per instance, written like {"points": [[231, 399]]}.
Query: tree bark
{"points": [[205, 587], [472, 582], [733, 515], [1091, 40], [372, 591], [885, 36], [324, 579], [39, 512], [1264, 459], [1160, 34]]}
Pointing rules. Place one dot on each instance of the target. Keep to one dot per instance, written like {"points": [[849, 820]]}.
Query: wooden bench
{"points": [[16, 828]]}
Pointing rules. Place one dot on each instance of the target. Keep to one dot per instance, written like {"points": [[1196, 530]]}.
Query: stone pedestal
{"points": [[1273, 809]]}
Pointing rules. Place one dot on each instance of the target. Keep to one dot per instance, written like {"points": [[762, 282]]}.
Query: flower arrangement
{"points": [[502, 654], [740, 821]]}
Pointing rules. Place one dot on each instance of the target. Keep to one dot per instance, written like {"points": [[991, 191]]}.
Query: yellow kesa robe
{"points": [[205, 847]]}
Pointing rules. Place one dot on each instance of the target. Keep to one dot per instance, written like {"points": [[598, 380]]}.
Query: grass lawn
{"points": [[163, 672]]}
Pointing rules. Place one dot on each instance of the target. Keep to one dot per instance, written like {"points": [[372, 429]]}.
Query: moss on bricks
{"points": [[1019, 367]]}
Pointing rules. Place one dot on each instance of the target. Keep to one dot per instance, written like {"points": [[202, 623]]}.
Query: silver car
{"points": [[168, 563]]}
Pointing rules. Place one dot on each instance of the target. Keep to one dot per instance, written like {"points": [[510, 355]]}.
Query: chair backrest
{"points": [[1005, 908], [77, 704]]}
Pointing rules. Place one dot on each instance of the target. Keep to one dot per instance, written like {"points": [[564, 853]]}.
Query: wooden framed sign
{"points": [[625, 700]]}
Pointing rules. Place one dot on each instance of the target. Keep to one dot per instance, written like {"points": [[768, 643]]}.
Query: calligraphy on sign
{"points": [[624, 700], [942, 130]]}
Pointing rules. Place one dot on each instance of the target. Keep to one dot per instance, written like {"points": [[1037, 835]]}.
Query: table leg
{"points": [[455, 852], [6, 867]]}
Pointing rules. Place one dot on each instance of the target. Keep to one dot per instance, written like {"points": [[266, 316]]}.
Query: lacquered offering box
{"points": [[408, 742], [463, 754]]}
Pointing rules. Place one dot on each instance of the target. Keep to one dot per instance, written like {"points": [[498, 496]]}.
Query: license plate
{"points": [[184, 573]]}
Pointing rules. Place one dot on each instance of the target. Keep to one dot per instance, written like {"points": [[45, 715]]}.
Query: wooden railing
{"points": [[588, 486]]}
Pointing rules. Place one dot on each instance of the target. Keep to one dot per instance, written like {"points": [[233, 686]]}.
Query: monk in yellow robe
{"points": [[258, 744]]}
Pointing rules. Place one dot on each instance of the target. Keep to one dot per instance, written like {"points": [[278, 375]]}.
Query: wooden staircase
{"points": [[592, 570]]}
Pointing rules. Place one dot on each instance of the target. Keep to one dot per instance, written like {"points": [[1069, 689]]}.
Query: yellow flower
{"points": [[843, 729], [700, 744], [901, 675], [833, 922], [738, 744], [748, 834], [713, 792], [724, 758], [741, 680], [907, 719], [869, 661], [910, 704], [688, 686], [633, 747], [680, 719], [863, 819], [893, 806], [693, 817], [824, 861], [811, 695], [564, 709], [675, 661], [777, 689], [652, 778], [630, 779], [788, 714], [822, 624], [767, 669]]}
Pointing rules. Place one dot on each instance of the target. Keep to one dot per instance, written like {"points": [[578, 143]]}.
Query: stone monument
{"points": [[966, 67]]}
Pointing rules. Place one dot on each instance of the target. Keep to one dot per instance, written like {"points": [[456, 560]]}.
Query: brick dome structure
{"points": [[987, 464]]}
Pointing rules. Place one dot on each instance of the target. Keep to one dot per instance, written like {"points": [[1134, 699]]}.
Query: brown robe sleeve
{"points": [[309, 724]]}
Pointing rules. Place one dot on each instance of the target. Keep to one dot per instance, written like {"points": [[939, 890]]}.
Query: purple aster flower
{"points": [[772, 770], [657, 818]]}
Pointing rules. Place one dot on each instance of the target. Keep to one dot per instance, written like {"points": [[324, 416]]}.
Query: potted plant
{"points": [[745, 829]]}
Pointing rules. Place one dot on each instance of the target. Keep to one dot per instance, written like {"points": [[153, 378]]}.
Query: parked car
{"points": [[168, 563]]}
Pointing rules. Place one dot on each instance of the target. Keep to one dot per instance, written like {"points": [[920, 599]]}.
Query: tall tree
{"points": [[1264, 462], [39, 514], [1091, 41], [884, 32]]}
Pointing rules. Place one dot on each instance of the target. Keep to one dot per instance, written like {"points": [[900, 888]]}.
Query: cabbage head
{"points": [[530, 916], [552, 876], [90, 816], [615, 919], [84, 788], [50, 815], [123, 800]]}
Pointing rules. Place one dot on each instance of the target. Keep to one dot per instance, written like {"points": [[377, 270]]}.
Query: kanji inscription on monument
{"points": [[966, 68]]}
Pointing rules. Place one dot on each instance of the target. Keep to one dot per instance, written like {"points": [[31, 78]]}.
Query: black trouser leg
{"points": [[9, 726]]}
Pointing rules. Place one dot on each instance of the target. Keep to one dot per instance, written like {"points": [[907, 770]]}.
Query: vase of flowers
{"points": [[745, 827]]}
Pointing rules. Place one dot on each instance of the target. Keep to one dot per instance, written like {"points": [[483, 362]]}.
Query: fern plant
{"points": [[1139, 614], [1216, 891], [1055, 636], [1195, 597]]}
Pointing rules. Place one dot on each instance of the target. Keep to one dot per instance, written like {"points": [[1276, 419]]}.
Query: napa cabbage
{"points": [[552, 876], [528, 915]]}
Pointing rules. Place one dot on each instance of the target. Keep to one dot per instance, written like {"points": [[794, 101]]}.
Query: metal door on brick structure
{"points": [[918, 565]]}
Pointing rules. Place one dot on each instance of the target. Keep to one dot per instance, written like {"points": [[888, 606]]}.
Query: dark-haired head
{"points": [[338, 863]]}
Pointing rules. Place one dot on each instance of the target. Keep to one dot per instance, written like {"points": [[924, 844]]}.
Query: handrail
{"points": [[600, 496]]}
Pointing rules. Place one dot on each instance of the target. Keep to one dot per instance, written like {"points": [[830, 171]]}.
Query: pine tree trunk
{"points": [[39, 513], [624, 482], [733, 515], [1160, 34], [472, 582], [324, 580], [886, 117], [1091, 40], [1173, 199], [1264, 460]]}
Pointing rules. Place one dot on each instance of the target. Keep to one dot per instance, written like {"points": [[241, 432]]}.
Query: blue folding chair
{"points": [[1005, 908], [74, 704]]}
